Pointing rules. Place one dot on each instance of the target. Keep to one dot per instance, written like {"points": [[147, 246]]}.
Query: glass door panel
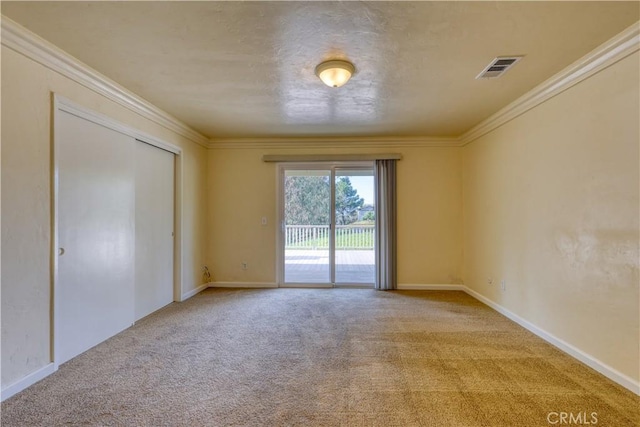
{"points": [[307, 224], [355, 226]]}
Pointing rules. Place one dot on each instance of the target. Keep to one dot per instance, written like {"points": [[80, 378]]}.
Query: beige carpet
{"points": [[323, 357]]}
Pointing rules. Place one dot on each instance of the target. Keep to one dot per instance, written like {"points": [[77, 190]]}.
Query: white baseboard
{"points": [[193, 292], [418, 287], [243, 285], [27, 381], [603, 368]]}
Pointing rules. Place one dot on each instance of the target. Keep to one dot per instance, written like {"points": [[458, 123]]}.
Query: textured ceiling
{"points": [[246, 69]]}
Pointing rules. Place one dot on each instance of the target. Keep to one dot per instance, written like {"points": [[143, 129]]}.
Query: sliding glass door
{"points": [[328, 225], [307, 219], [355, 226]]}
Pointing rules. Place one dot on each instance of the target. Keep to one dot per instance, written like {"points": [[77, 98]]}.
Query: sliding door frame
{"points": [[280, 224]]}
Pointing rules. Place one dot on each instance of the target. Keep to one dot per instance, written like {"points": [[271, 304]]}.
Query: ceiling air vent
{"points": [[498, 67]]}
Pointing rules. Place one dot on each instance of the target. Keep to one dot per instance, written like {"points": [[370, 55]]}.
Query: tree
{"points": [[347, 202], [307, 200], [369, 216]]}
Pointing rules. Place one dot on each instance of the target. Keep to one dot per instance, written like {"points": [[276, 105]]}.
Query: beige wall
{"points": [[26, 197], [551, 206], [242, 189]]}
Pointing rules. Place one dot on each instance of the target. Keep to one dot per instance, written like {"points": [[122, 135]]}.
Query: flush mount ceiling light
{"points": [[335, 73]]}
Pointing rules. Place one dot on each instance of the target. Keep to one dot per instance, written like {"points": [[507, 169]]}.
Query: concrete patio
{"points": [[312, 266]]}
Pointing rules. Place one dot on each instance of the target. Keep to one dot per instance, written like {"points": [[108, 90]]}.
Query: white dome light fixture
{"points": [[335, 73]]}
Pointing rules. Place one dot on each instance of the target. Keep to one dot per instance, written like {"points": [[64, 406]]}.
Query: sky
{"points": [[364, 185]]}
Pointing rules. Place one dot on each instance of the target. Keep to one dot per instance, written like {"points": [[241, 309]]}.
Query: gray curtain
{"points": [[386, 265]]}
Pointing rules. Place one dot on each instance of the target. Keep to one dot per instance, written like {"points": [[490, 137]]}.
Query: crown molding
{"points": [[610, 52], [333, 142], [24, 42]]}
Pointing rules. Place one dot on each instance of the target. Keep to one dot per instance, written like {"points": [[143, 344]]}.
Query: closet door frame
{"points": [[61, 105]]}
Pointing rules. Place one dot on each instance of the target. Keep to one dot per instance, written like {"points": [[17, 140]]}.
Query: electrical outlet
{"points": [[244, 265], [264, 220], [503, 285]]}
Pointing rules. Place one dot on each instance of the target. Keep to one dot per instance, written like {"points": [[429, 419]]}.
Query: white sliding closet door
{"points": [[96, 234], [154, 228]]}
